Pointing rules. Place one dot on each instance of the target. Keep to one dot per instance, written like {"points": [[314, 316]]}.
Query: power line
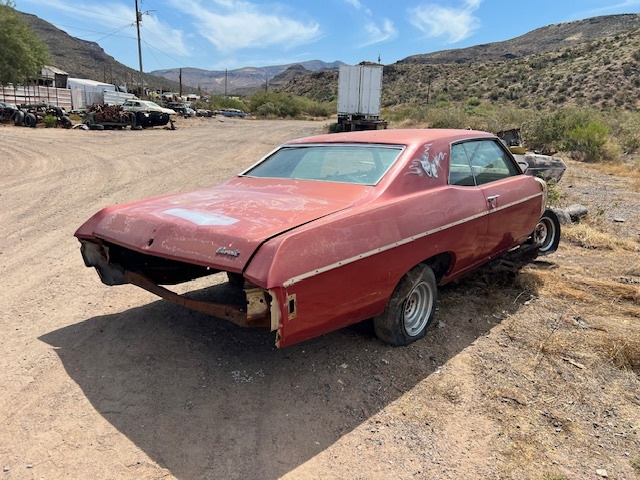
{"points": [[97, 33]]}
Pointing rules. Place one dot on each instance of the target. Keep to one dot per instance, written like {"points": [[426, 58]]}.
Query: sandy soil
{"points": [[112, 383]]}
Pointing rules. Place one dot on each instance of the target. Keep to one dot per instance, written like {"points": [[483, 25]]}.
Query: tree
{"points": [[22, 54]]}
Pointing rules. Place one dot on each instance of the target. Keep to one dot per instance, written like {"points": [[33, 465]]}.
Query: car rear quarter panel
{"points": [[343, 268]]}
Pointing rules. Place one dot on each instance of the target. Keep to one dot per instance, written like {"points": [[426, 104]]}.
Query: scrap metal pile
{"points": [[113, 114]]}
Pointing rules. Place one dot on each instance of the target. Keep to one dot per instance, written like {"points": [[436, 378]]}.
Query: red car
{"points": [[330, 230]]}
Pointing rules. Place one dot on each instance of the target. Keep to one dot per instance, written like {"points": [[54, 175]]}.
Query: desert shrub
{"points": [[447, 118], [317, 109], [281, 104], [266, 110], [625, 127], [218, 102], [588, 142], [285, 105], [473, 102], [547, 132], [50, 120]]}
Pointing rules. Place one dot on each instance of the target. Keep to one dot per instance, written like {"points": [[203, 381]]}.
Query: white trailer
{"points": [[85, 92], [359, 91]]}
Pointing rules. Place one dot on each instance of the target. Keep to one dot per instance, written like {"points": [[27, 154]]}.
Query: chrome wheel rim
{"points": [[417, 309], [544, 234]]}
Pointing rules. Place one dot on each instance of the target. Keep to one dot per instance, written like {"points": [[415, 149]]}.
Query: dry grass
{"points": [[628, 169], [588, 235]]}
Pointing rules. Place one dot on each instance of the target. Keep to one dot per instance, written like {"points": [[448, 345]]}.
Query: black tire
{"points": [[30, 120], [96, 126], [18, 118], [411, 308], [236, 279], [547, 233], [66, 122]]}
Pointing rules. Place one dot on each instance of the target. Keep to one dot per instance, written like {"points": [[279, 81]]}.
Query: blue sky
{"points": [[229, 34]]}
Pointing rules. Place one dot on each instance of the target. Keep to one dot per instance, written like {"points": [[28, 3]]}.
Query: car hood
{"points": [[222, 226]]}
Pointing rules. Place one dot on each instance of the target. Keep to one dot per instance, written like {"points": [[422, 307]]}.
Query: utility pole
{"points": [[138, 19]]}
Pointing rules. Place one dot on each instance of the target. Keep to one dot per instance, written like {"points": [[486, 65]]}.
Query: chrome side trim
{"points": [[399, 243]]}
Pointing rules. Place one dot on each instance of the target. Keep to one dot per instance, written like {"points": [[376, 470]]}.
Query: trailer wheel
{"points": [[30, 120], [411, 308], [18, 118]]}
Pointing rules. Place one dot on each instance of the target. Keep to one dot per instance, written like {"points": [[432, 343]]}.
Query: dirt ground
{"points": [[532, 376]]}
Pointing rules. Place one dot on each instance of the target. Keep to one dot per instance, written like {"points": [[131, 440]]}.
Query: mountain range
{"points": [[238, 81]]}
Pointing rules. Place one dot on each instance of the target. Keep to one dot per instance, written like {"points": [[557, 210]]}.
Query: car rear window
{"points": [[358, 164]]}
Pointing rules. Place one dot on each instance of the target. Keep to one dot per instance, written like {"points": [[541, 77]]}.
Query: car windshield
{"points": [[353, 163]]}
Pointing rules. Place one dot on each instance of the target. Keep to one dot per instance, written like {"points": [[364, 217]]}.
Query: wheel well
{"points": [[440, 264]]}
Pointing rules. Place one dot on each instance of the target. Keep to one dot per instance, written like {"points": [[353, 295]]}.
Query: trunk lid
{"points": [[222, 226]]}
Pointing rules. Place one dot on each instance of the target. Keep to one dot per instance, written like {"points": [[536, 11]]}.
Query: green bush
{"points": [[285, 105], [218, 102], [266, 110], [588, 142], [50, 121], [546, 132]]}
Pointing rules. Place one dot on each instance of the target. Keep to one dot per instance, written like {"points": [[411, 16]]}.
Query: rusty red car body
{"points": [[370, 215]]}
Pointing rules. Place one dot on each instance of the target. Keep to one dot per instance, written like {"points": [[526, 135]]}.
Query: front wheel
{"points": [[547, 233], [410, 310]]}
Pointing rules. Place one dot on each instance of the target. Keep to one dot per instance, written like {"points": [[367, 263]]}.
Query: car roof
{"points": [[394, 136]]}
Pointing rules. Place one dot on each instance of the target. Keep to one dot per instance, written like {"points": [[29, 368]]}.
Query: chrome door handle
{"points": [[492, 200]]}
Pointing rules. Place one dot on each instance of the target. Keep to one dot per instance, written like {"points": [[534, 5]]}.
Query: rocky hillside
{"points": [[579, 67], [83, 59], [541, 40]]}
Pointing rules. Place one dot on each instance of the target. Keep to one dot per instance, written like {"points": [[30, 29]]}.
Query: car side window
{"points": [[460, 173], [489, 162]]}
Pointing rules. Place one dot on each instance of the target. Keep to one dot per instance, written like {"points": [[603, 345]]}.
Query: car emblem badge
{"points": [[225, 251]]}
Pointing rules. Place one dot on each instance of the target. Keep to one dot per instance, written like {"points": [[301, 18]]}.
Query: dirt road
{"points": [[104, 382]]}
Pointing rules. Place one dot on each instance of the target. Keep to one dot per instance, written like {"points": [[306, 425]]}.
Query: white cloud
{"points": [[358, 6], [354, 3], [374, 32], [378, 34], [451, 23], [235, 25]]}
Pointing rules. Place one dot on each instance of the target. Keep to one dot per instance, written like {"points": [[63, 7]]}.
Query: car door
{"points": [[469, 198], [510, 196]]}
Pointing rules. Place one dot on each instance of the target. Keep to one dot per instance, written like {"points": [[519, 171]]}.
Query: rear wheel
{"points": [[547, 233], [410, 309]]}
